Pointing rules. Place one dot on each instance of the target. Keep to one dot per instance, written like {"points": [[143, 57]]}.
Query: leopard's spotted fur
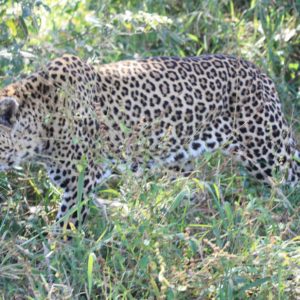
{"points": [[162, 111]]}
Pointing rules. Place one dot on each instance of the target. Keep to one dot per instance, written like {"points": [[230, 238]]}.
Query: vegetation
{"points": [[213, 235]]}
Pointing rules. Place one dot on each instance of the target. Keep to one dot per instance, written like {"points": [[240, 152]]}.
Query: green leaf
{"points": [[232, 13], [170, 294], [111, 192], [22, 29], [217, 191], [11, 24], [91, 260], [194, 246], [124, 128], [179, 198], [254, 284], [193, 37], [144, 262]]}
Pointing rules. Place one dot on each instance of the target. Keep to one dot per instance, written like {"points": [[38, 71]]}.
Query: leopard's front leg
{"points": [[78, 189], [73, 209]]}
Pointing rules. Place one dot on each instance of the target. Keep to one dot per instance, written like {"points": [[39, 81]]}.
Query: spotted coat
{"points": [[146, 113]]}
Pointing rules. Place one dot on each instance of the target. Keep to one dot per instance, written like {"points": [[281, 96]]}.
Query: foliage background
{"points": [[239, 240]]}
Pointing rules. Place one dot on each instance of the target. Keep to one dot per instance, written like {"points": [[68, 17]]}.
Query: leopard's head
{"points": [[20, 133], [42, 109], [8, 108]]}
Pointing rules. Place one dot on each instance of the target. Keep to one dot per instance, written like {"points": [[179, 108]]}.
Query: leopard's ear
{"points": [[8, 109]]}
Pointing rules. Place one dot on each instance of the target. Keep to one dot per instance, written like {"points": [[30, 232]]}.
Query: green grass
{"points": [[217, 237], [214, 235]]}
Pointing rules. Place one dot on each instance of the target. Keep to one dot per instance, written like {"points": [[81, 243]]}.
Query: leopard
{"points": [[84, 122]]}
